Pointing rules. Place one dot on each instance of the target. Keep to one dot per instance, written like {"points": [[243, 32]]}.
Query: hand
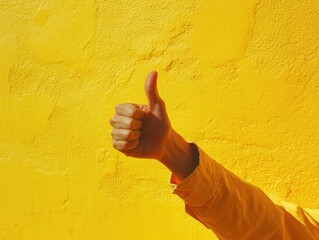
{"points": [[142, 131]]}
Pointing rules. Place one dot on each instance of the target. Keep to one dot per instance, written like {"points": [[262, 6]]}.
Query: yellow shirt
{"points": [[236, 209]]}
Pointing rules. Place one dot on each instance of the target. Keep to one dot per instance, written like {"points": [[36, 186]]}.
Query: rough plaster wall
{"points": [[240, 78]]}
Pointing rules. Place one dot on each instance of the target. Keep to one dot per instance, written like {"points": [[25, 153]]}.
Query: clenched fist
{"points": [[142, 131]]}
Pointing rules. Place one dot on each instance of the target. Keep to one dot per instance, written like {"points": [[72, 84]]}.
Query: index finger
{"points": [[129, 110]]}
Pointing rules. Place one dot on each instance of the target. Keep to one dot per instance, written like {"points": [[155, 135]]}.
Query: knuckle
{"points": [[131, 108], [118, 107], [112, 133], [129, 135], [134, 113], [112, 121], [125, 144], [131, 123], [120, 146]]}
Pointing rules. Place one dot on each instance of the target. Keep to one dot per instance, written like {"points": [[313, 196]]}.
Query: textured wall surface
{"points": [[240, 78]]}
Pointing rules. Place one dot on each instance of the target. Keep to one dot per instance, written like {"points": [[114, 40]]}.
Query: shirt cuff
{"points": [[201, 185]]}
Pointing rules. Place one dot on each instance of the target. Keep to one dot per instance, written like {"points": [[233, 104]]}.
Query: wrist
{"points": [[169, 145], [179, 156]]}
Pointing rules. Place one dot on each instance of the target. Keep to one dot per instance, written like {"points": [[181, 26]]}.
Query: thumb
{"points": [[151, 90]]}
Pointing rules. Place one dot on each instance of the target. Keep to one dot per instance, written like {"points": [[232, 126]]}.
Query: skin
{"points": [[145, 131]]}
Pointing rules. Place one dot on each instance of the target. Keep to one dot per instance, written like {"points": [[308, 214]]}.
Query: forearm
{"points": [[180, 157]]}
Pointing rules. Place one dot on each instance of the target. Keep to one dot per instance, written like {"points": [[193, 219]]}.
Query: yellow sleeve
{"points": [[235, 209]]}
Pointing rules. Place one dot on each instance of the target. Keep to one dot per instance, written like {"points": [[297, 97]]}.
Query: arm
{"points": [[231, 207]]}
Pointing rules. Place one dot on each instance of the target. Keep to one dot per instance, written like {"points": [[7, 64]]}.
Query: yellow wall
{"points": [[240, 78]]}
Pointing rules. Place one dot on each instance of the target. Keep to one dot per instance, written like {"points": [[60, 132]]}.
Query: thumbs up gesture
{"points": [[142, 131]]}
